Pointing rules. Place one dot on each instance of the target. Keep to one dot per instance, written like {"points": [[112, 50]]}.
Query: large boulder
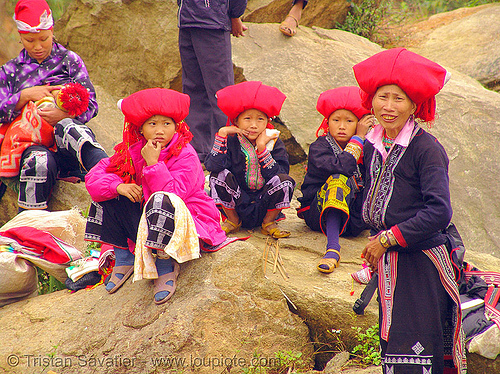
{"points": [[322, 13], [9, 37], [457, 39], [468, 115], [224, 313]]}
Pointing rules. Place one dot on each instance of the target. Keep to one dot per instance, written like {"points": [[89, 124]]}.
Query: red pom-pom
{"points": [[73, 98]]}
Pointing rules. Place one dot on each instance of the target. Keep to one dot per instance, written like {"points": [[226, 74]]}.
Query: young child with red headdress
{"points": [[151, 192], [248, 162], [331, 201]]}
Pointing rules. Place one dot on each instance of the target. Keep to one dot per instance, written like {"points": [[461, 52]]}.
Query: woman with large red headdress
{"points": [[407, 206]]}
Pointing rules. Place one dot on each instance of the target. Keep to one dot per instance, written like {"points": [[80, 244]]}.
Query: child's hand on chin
{"points": [[151, 152], [131, 191], [231, 130], [263, 139]]}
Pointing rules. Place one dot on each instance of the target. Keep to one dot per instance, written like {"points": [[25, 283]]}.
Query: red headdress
{"points": [[421, 79], [348, 98], [139, 107], [33, 16], [73, 98], [234, 100]]}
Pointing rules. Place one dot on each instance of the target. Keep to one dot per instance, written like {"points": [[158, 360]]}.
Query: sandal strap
{"points": [[294, 18], [334, 251], [266, 225], [160, 283], [125, 270], [235, 225]]}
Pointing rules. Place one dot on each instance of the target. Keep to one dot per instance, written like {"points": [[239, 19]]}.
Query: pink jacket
{"points": [[181, 175]]}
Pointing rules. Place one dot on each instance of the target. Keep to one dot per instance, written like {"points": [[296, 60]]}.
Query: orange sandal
{"points": [[330, 263], [286, 30], [275, 232], [230, 227]]}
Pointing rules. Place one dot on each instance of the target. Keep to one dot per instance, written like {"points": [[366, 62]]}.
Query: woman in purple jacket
{"points": [[42, 67], [407, 205]]}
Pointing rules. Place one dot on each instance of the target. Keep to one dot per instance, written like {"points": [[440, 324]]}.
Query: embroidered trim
{"points": [[381, 188], [441, 260], [356, 179], [253, 176], [266, 159], [220, 145], [388, 274]]}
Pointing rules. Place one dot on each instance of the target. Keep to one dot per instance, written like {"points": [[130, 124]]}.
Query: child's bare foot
{"points": [[289, 26]]}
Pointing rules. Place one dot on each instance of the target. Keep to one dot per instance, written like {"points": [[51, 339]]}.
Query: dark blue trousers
{"points": [[206, 68]]}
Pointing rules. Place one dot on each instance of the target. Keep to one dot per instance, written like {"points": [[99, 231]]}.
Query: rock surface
{"points": [[457, 39], [127, 46], [320, 13], [225, 305]]}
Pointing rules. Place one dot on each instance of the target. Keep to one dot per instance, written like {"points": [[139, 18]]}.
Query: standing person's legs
{"points": [[203, 74], [37, 177]]}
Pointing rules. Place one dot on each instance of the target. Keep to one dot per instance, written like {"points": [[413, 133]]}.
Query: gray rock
{"points": [[463, 44], [224, 310], [322, 13], [127, 46]]}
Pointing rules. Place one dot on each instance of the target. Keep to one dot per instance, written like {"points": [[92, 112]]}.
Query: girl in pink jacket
{"points": [[152, 177]]}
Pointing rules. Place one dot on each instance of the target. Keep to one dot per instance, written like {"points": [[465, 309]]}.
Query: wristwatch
{"points": [[383, 238]]}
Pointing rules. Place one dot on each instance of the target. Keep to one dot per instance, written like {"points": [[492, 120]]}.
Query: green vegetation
{"points": [[284, 362], [364, 17], [47, 283], [367, 352], [57, 6], [367, 17]]}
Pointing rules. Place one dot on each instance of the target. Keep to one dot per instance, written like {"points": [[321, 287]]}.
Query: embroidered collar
{"points": [[377, 134]]}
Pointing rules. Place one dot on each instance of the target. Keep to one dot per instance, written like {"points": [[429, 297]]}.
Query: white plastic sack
{"points": [[67, 225], [486, 344], [18, 279]]}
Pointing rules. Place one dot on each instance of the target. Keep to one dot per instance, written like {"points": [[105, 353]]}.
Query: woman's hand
{"points": [[263, 139], [131, 191], [35, 93], [372, 252], [151, 152], [231, 130], [364, 124]]}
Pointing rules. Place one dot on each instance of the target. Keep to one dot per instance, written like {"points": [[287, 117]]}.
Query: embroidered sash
{"points": [[253, 176], [356, 177], [388, 265]]}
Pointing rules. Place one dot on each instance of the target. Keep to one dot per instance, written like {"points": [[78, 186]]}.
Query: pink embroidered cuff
{"points": [[266, 159], [220, 144]]}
